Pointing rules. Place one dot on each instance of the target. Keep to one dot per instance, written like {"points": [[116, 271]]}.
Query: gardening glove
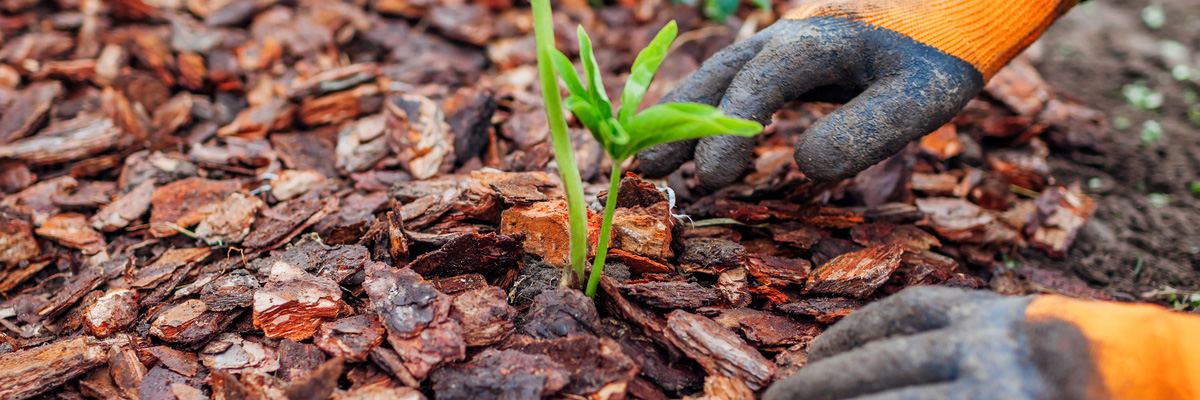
{"points": [[903, 67], [943, 343]]}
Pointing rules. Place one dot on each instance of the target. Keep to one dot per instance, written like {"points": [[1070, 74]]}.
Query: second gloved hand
{"points": [[903, 68]]}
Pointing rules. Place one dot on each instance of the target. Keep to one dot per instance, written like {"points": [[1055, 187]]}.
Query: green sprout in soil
{"points": [[622, 134]]}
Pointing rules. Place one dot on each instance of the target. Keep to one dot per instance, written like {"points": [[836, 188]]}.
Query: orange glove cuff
{"points": [[985, 33], [1141, 351]]}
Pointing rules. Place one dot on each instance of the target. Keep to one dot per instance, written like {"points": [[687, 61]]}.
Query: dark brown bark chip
{"points": [[796, 234], [501, 374], [596, 364], [672, 374], [671, 294], [157, 384], [558, 313], [824, 309], [469, 113], [719, 351], [297, 360], [319, 384], [404, 302], [351, 338], [711, 256], [29, 110], [280, 220], [912, 238], [491, 255], [305, 151], [235, 289]]}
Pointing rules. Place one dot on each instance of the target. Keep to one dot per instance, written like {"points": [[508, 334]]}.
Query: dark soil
{"points": [[1131, 245]]}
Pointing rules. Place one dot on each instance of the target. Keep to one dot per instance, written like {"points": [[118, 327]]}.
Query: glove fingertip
{"points": [[662, 160]]}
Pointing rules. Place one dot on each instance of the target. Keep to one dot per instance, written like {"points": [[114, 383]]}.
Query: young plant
{"points": [[564, 153], [628, 132]]}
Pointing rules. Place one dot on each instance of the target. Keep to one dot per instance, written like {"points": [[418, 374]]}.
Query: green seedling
{"points": [[564, 156], [626, 132]]}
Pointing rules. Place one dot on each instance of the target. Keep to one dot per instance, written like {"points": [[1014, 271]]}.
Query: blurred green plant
{"points": [[1152, 131], [1143, 97], [1154, 16], [718, 10]]}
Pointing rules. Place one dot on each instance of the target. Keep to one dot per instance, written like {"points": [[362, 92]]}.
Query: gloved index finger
{"points": [[911, 311], [928, 358]]}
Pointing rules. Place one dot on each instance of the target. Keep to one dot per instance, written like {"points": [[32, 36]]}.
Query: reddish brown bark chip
{"points": [[351, 338], [1061, 212], [491, 254], [166, 264], [183, 203], [856, 274], [419, 128], [126, 369], [17, 242], [547, 233], [127, 208], [825, 309], [112, 312], [306, 151], [484, 314], [503, 374], [878, 233], [30, 372], [461, 283], [644, 230], [229, 221], [634, 192], [639, 265], [64, 141], [184, 363], [417, 319], [961, 221], [671, 294], [776, 271], [719, 351], [29, 110], [796, 234], [765, 329], [231, 291], [231, 353], [293, 303], [15, 176], [72, 230], [596, 365]]}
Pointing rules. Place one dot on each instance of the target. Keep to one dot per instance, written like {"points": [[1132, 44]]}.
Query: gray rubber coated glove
{"points": [[943, 343]]}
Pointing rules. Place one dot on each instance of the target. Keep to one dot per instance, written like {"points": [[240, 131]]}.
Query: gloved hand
{"points": [[906, 67], [943, 343]]}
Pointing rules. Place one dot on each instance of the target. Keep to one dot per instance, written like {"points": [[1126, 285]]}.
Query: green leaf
{"points": [[671, 122], [592, 71], [587, 114], [642, 72], [567, 71]]}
